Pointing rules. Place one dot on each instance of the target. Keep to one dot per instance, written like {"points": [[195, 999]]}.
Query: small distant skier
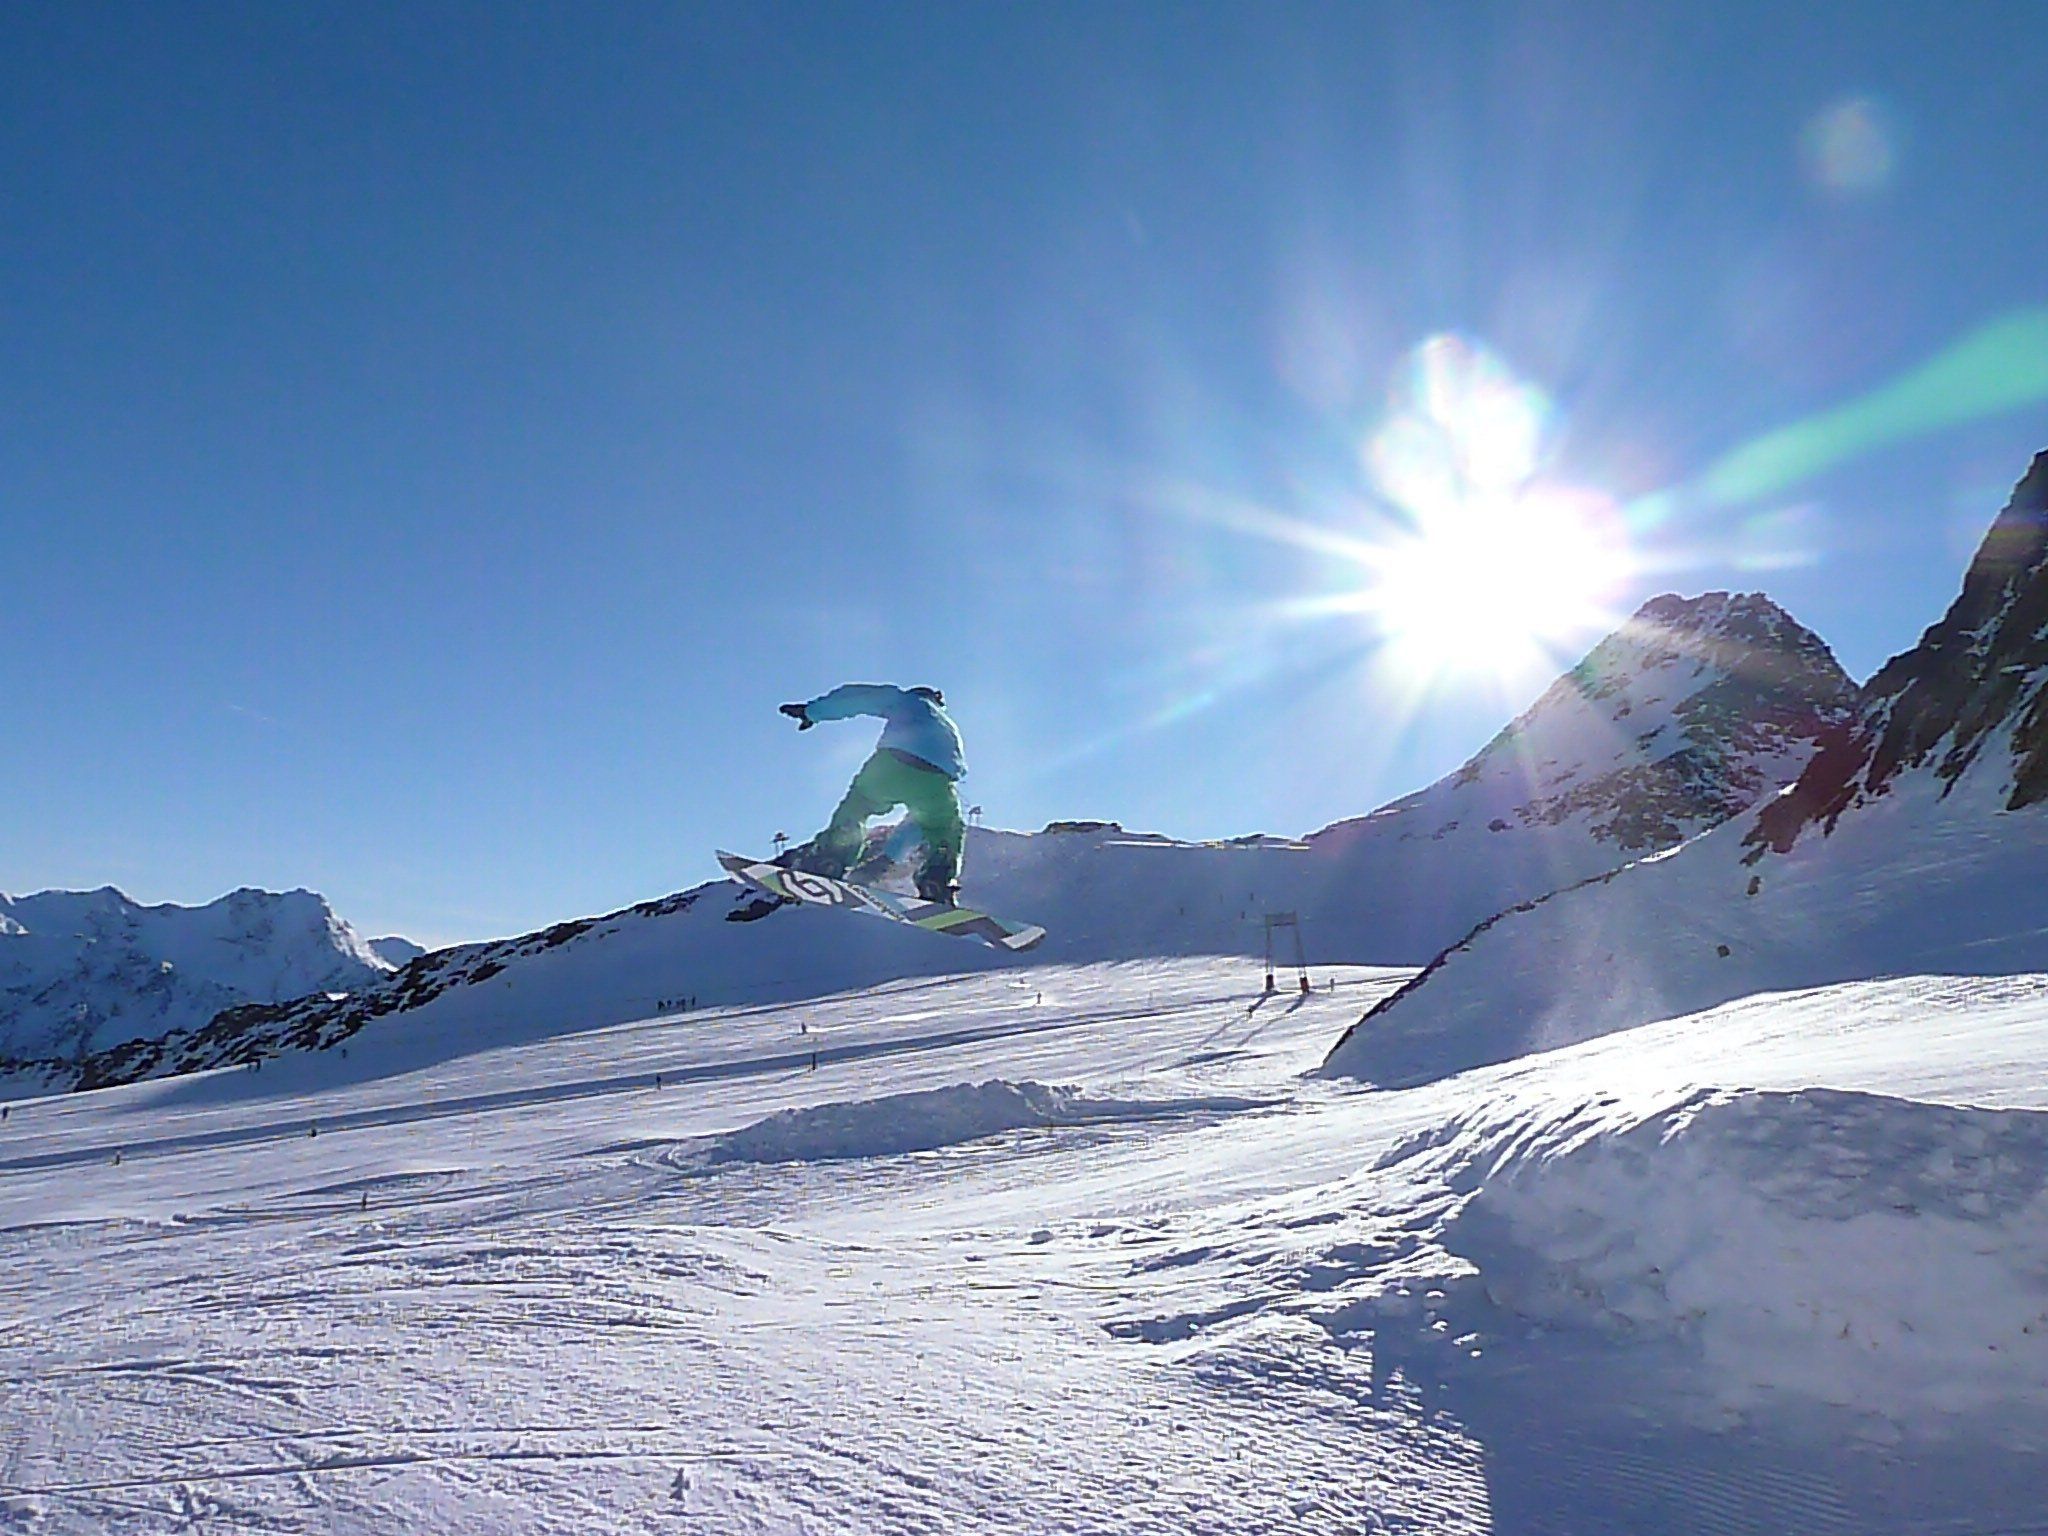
{"points": [[915, 765]]}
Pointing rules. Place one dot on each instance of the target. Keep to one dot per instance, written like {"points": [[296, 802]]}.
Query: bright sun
{"points": [[1495, 569]]}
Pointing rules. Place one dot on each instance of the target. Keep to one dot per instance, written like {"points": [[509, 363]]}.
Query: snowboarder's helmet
{"points": [[933, 694]]}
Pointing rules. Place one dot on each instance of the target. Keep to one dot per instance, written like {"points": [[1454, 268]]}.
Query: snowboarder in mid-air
{"points": [[915, 765]]}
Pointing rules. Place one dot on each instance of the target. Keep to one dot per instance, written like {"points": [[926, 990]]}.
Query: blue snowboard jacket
{"points": [[917, 726]]}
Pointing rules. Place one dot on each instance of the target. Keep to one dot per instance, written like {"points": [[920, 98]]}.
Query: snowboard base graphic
{"points": [[936, 916]]}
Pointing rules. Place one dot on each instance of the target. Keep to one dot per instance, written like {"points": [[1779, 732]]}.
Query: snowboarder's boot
{"points": [[938, 877], [811, 859], [875, 861]]}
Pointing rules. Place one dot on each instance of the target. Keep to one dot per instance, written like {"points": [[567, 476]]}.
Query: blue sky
{"points": [[437, 437]]}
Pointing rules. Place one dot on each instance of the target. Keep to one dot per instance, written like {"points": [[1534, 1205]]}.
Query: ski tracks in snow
{"points": [[611, 1340], [588, 1372], [926, 1292]]}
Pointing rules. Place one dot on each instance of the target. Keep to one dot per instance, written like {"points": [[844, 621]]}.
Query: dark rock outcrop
{"points": [[1976, 675]]}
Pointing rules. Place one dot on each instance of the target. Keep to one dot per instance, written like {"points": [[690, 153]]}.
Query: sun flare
{"points": [[1493, 568]]}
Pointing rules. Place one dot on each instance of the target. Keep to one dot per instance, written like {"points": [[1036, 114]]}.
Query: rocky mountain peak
{"points": [[1690, 712], [1975, 679], [1742, 634]]}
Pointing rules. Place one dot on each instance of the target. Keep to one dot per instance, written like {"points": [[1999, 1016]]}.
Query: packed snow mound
{"points": [[81, 971], [1869, 1252], [933, 1118], [1892, 854], [904, 1122]]}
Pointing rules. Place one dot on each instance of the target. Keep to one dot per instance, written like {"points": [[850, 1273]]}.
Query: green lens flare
{"points": [[1995, 368]]}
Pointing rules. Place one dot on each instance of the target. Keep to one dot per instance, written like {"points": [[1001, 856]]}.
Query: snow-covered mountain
{"points": [[396, 952], [81, 971], [1913, 842], [1689, 712], [1681, 718], [633, 963], [1974, 688], [1692, 711]]}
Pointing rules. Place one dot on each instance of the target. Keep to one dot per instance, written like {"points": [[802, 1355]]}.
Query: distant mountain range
{"points": [[84, 970], [1688, 713], [1913, 842], [1704, 807]]}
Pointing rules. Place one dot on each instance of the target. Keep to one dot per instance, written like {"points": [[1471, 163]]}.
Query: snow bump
{"points": [[1868, 1252], [934, 1118]]}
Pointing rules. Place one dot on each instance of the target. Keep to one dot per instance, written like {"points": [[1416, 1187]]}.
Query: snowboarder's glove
{"points": [[796, 712]]}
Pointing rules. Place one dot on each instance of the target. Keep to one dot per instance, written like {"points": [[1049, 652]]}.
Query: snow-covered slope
{"points": [[1914, 841], [1690, 711], [1061, 1249], [84, 970]]}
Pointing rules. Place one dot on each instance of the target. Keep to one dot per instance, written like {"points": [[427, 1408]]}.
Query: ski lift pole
{"points": [[1289, 920]]}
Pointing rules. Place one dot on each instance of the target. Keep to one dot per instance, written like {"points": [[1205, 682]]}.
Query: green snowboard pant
{"points": [[885, 781]]}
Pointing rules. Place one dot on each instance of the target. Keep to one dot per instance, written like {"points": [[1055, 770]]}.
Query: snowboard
{"points": [[936, 916]]}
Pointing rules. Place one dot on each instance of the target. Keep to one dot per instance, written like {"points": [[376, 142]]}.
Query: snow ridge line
{"points": [[1463, 946]]}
